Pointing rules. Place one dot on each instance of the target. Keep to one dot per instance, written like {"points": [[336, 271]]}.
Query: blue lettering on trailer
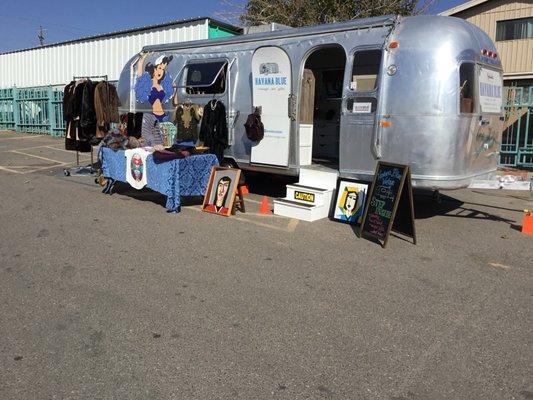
{"points": [[271, 81]]}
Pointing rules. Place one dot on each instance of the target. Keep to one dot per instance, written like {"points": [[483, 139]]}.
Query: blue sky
{"points": [[70, 19]]}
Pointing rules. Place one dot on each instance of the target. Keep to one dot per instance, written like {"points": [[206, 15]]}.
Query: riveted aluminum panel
{"points": [[446, 149]]}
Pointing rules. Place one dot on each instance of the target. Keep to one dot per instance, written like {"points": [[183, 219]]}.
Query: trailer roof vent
{"points": [[248, 30]]}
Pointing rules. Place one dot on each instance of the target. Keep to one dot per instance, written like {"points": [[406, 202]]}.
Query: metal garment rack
{"points": [[87, 170]]}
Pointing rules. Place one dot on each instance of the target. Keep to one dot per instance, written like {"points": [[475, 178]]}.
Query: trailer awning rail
{"points": [[364, 23]]}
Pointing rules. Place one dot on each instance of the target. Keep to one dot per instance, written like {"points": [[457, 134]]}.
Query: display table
{"points": [[174, 178]]}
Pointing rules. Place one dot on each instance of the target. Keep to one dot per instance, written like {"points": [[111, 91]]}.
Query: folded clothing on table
{"points": [[166, 155]]}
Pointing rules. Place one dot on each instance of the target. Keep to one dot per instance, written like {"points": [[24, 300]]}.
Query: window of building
{"points": [[206, 77], [366, 65], [514, 29], [467, 74]]}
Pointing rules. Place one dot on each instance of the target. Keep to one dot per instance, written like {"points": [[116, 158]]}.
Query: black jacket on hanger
{"points": [[134, 124], [68, 103], [72, 98], [68, 116], [87, 112], [214, 128]]}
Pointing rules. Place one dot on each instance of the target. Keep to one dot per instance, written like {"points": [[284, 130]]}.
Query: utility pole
{"points": [[41, 35]]}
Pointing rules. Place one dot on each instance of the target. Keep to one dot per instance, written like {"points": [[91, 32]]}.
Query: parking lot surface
{"points": [[110, 297]]}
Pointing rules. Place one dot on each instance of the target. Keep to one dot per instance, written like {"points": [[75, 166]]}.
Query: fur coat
{"points": [[87, 112], [106, 104], [72, 98]]}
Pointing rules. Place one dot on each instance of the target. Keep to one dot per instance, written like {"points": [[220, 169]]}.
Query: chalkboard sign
{"points": [[390, 204]]}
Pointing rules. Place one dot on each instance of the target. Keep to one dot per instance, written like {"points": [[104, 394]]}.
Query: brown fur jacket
{"points": [[106, 103]]}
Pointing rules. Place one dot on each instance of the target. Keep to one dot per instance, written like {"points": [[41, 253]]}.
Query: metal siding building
{"points": [[56, 64], [516, 54]]}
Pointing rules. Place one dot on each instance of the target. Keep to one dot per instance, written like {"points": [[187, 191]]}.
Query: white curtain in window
{"points": [[515, 29], [522, 29]]}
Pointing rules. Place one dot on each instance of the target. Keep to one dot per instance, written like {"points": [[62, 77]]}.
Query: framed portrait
{"points": [[350, 199], [221, 191]]}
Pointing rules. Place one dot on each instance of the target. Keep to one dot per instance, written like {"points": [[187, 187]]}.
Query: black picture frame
{"points": [[334, 203]]}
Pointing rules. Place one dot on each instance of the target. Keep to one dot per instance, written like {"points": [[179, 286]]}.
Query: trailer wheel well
{"points": [[228, 162]]}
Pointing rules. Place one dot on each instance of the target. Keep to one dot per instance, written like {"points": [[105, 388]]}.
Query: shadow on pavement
{"points": [[268, 184], [425, 204], [124, 189], [427, 207]]}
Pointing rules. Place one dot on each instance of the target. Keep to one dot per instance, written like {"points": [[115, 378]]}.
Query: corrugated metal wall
{"points": [[516, 55], [56, 65]]}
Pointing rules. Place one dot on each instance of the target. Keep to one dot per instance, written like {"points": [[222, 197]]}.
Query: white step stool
{"points": [[310, 198]]}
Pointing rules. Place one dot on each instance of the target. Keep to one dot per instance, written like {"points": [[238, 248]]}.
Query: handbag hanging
{"points": [[255, 129]]}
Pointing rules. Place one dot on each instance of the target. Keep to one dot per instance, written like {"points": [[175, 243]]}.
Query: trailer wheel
{"points": [[66, 172]]}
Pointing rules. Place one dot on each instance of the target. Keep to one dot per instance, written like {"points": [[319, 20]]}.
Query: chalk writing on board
{"points": [[391, 191], [393, 173], [382, 200], [375, 226], [379, 208]]}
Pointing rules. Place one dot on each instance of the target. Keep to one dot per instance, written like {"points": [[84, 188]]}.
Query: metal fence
{"points": [[34, 110], [517, 138]]}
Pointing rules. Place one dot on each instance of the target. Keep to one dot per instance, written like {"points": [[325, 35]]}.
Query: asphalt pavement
{"points": [[110, 297]]}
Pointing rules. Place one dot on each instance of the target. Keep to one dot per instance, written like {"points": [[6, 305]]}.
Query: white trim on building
{"points": [[462, 7]]}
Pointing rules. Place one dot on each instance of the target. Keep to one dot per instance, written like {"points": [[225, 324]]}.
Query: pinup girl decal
{"points": [[154, 85]]}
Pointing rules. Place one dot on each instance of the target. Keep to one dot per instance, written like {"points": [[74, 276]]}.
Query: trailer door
{"points": [[359, 105], [271, 88]]}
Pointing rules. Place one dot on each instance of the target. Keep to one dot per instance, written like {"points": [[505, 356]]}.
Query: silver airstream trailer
{"points": [[423, 91]]}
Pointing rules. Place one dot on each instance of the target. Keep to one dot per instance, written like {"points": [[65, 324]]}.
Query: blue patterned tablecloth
{"points": [[174, 178]]}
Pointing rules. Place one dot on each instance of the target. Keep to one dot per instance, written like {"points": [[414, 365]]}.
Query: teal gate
{"points": [[34, 110], [517, 137], [7, 109]]}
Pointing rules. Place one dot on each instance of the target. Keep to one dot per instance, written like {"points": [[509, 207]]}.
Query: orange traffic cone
{"points": [[265, 207], [527, 224]]}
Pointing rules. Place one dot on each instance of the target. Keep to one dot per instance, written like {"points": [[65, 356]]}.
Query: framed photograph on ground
{"points": [[349, 204], [221, 190]]}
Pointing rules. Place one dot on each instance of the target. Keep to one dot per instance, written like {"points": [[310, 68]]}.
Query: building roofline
{"points": [[462, 7], [517, 75], [216, 22]]}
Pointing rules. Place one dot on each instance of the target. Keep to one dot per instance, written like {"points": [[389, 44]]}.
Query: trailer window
{"points": [[366, 65], [466, 89], [206, 77]]}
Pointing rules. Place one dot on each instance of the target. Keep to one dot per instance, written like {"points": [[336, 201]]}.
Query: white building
{"points": [[56, 64]]}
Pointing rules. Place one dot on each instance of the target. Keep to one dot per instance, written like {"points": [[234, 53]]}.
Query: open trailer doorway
{"points": [[320, 106]]}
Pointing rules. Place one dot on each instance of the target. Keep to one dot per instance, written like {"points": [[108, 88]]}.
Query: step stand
{"points": [[310, 198], [238, 204]]}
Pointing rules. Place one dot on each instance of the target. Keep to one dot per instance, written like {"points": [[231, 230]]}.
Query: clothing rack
{"points": [[87, 170]]}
